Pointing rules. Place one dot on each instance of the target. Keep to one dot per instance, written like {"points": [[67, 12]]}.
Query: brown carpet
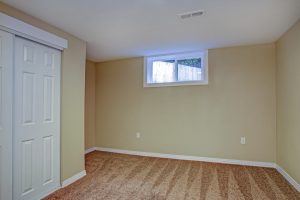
{"points": [[123, 177]]}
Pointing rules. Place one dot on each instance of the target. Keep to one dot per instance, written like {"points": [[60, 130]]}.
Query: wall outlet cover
{"points": [[243, 140]]}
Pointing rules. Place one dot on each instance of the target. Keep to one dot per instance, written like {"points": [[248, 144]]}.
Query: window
{"points": [[176, 69]]}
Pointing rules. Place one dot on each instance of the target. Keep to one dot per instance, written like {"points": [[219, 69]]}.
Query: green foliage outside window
{"points": [[193, 62]]}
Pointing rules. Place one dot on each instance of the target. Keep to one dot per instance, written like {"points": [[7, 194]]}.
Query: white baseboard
{"points": [[74, 178], [90, 150], [288, 178], [185, 157]]}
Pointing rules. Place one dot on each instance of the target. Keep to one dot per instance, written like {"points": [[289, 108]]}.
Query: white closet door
{"points": [[36, 119], [6, 87]]}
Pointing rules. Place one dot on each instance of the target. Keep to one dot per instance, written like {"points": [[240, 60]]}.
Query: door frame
{"points": [[22, 29], [19, 28]]}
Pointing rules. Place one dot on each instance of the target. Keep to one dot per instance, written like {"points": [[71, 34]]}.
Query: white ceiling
{"points": [[117, 29]]}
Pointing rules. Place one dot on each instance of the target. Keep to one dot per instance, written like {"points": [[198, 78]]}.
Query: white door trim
{"points": [[20, 28]]}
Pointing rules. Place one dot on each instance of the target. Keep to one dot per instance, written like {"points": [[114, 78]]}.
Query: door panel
{"points": [[48, 98], [27, 166], [28, 98], [37, 117], [47, 160], [6, 65]]}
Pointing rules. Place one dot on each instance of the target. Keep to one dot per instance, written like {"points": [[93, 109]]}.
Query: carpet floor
{"points": [[113, 176]]}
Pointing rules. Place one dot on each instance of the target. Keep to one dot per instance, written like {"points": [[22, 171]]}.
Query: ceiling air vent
{"points": [[191, 14]]}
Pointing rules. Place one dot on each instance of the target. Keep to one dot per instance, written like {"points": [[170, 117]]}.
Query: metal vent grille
{"points": [[191, 14]]}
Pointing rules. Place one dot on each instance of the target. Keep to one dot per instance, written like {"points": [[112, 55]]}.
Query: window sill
{"points": [[187, 83]]}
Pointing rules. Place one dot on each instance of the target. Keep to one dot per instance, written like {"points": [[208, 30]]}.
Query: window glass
{"points": [[163, 71], [189, 69]]}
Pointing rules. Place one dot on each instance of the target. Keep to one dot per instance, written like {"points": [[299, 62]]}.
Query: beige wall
{"points": [[288, 102], [192, 120], [89, 128], [72, 94]]}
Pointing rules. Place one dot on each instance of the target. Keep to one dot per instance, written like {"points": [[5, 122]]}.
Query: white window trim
{"points": [[20, 28], [202, 54]]}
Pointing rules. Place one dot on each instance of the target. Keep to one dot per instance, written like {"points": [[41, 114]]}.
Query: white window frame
{"points": [[148, 66]]}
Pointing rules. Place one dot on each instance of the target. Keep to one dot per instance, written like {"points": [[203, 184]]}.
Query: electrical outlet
{"points": [[243, 140], [138, 135]]}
